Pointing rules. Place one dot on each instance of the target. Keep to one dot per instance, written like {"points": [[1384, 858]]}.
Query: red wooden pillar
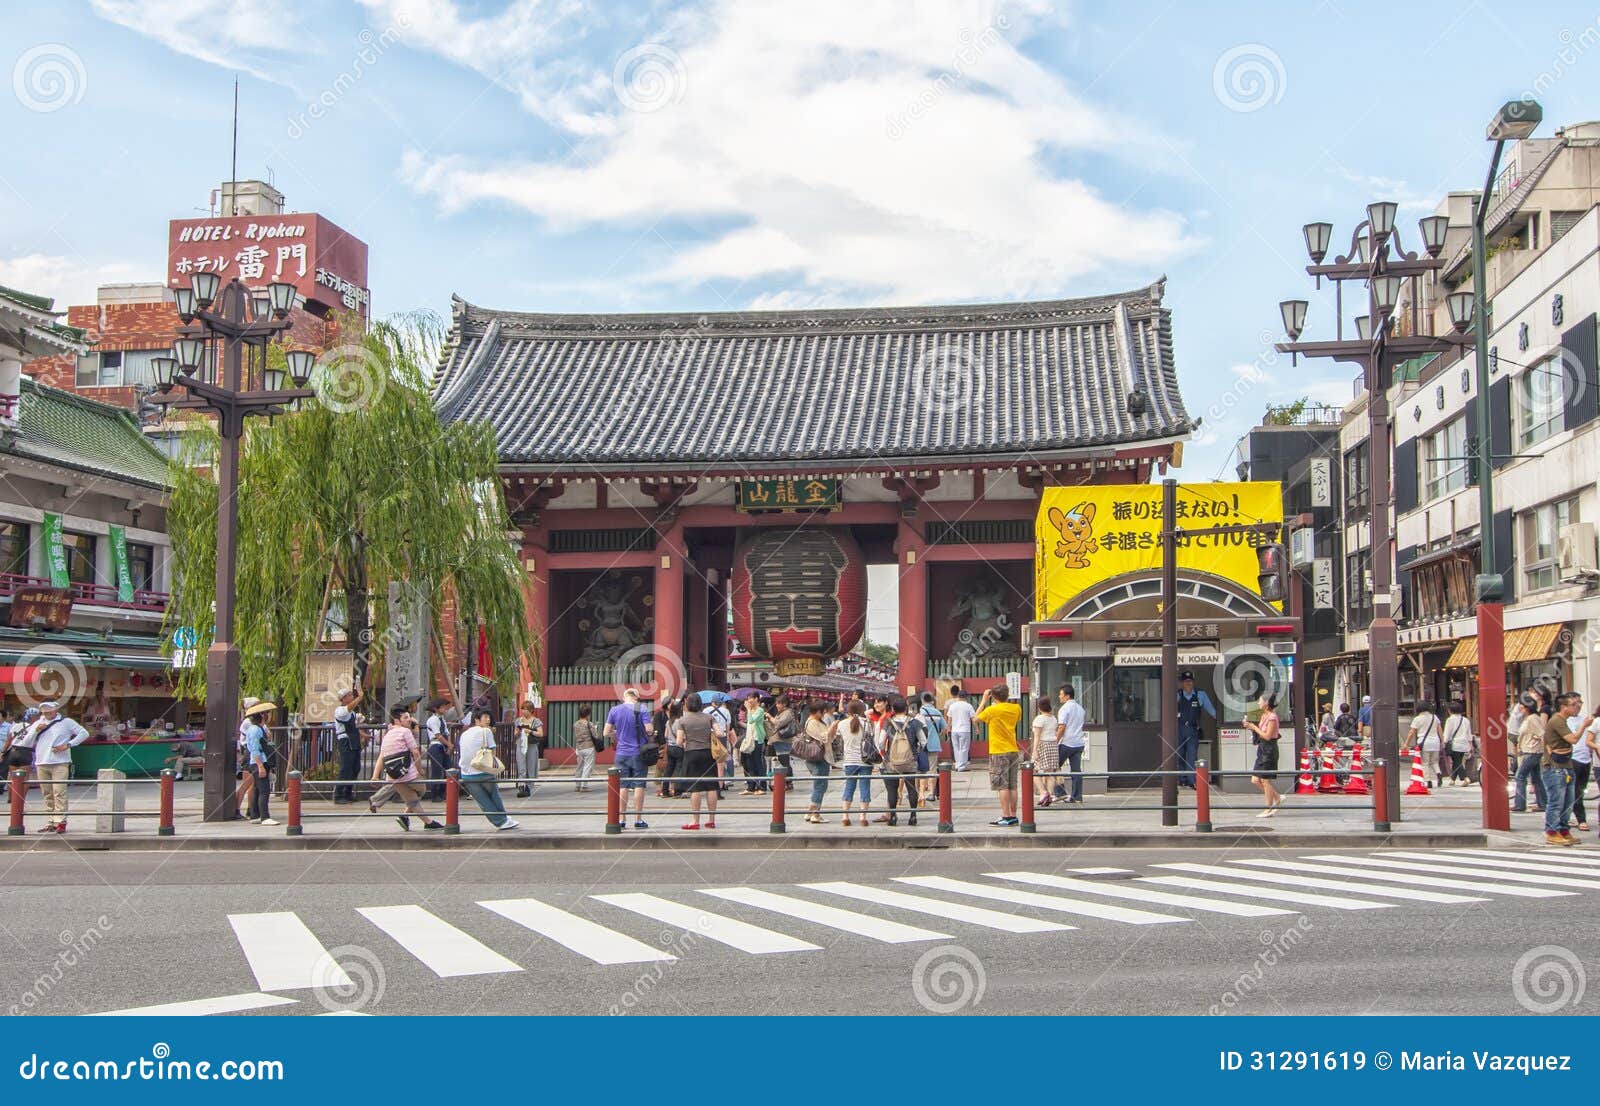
{"points": [[1492, 716], [913, 572], [671, 664], [536, 602]]}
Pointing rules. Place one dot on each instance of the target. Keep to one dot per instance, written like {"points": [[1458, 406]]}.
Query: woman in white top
{"points": [[1583, 752], [484, 787], [1458, 736], [1046, 757], [1425, 739], [854, 732]]}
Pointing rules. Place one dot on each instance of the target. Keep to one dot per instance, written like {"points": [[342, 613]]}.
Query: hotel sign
{"points": [[788, 495], [326, 264]]}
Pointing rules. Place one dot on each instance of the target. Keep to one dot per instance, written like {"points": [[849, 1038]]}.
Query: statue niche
{"points": [[613, 626]]}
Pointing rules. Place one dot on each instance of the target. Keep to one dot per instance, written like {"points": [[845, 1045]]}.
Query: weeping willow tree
{"points": [[363, 487]]}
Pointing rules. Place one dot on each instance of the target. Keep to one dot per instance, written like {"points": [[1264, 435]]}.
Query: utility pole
{"points": [[1169, 652]]}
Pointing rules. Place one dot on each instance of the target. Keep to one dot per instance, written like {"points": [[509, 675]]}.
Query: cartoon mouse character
{"points": [[1077, 534]]}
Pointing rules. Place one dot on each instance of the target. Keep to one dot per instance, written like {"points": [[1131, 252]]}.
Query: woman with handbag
{"points": [[785, 726], [586, 742], [859, 754], [399, 766], [481, 770], [703, 745], [752, 749], [821, 768], [1458, 736]]}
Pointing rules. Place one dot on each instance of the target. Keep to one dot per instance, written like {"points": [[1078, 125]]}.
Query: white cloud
{"points": [[70, 281], [219, 32], [882, 151]]}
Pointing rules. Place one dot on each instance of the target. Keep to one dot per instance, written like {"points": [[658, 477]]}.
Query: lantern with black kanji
{"points": [[799, 596]]}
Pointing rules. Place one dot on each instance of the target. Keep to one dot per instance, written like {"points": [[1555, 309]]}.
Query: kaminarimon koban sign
{"points": [[799, 596]]}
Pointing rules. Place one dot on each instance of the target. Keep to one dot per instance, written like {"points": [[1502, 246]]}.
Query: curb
{"points": [[1221, 838]]}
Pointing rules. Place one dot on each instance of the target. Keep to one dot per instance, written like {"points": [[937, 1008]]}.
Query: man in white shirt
{"points": [[347, 740], [1071, 741], [436, 727], [960, 714], [52, 738]]}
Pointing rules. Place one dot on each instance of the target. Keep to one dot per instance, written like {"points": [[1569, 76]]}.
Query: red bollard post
{"points": [[452, 801], [1202, 797], [613, 800], [164, 823], [1027, 825], [1380, 795], [780, 781], [947, 821], [19, 794], [293, 829]]}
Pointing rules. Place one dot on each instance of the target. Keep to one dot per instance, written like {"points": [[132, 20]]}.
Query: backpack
{"points": [[870, 753], [902, 752]]}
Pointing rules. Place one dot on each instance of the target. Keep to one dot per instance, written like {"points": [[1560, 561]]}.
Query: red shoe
{"points": [[690, 826], [61, 827], [712, 824]]}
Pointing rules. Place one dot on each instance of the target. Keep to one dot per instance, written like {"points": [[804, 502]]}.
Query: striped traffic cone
{"points": [[1329, 784], [1305, 785], [1357, 785], [1419, 782]]}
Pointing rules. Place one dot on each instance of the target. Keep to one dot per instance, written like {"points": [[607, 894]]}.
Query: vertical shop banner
{"points": [[55, 551], [119, 561], [1090, 534]]}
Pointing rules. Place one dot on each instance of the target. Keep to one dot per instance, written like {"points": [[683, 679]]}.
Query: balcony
{"points": [[101, 595]]}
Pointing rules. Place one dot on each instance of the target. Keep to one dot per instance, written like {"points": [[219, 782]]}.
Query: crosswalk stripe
{"points": [[1549, 856], [1338, 902], [1102, 871], [586, 938], [1580, 877], [284, 954], [1044, 902], [1140, 894], [1299, 880], [1357, 868], [728, 931], [1517, 879], [939, 908], [441, 946], [201, 1007], [862, 925]]}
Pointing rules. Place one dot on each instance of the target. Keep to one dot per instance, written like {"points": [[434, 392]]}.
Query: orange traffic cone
{"points": [[1329, 784], [1419, 782], [1305, 785], [1357, 785]]}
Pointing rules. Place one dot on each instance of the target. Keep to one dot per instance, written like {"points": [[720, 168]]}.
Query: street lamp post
{"points": [[1377, 257], [220, 361], [1515, 120]]}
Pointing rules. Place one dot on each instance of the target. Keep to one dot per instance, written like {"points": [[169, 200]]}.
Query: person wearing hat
{"points": [[347, 739], [1191, 704], [52, 736], [1364, 716], [258, 761], [246, 787]]}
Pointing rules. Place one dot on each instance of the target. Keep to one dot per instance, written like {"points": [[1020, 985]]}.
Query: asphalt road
{"points": [[91, 933]]}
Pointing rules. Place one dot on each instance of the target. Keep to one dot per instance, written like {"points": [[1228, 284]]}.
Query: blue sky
{"points": [[568, 155]]}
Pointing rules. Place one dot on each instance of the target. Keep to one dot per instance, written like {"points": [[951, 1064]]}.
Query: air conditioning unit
{"points": [[1046, 652], [1577, 552]]}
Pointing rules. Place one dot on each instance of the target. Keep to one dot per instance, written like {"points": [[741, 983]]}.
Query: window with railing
{"points": [[1444, 459], [1541, 402], [79, 549], [142, 565]]}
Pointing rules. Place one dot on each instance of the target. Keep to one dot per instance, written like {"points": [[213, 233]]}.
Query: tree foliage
{"points": [[363, 487]]}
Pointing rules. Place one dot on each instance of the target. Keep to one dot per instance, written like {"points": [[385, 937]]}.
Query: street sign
{"points": [[1321, 482], [183, 658], [1014, 684], [1322, 583]]}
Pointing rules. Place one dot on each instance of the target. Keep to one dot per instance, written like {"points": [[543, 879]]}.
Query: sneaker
{"points": [[641, 825], [255, 821], [405, 823], [269, 822], [1005, 822], [432, 825], [510, 823]]}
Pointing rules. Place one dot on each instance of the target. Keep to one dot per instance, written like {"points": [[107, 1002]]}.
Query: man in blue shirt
{"points": [[1191, 704], [628, 729], [1364, 716]]}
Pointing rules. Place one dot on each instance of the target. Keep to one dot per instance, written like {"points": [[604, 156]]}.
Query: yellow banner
{"points": [[1088, 534]]}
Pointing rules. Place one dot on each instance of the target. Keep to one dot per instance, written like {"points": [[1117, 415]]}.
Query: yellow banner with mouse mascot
{"points": [[1088, 534]]}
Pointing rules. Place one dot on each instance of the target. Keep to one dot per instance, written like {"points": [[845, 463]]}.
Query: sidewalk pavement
{"points": [[557, 816]]}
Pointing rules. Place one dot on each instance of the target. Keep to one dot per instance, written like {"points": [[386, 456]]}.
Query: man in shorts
{"points": [[1001, 716], [628, 729]]}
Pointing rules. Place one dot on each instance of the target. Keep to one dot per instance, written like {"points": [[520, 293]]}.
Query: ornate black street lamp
{"points": [[220, 361]]}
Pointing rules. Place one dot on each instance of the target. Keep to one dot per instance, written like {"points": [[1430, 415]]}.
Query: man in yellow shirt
{"points": [[1000, 715]]}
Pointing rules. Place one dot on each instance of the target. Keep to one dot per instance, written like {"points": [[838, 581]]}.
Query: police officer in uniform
{"points": [[347, 738], [1191, 704]]}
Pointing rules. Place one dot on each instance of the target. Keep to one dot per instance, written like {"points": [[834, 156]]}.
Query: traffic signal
{"points": [[1272, 566]]}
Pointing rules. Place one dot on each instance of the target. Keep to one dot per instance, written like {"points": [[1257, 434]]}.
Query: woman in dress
{"points": [[692, 732], [1046, 756], [1265, 772]]}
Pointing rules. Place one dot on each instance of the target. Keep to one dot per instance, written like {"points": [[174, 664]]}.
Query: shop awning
{"points": [[1531, 643]]}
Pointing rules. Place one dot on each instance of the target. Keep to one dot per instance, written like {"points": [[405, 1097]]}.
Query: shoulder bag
{"points": [[487, 760], [649, 751]]}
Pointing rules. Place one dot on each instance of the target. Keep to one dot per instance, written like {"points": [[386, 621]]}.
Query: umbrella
{"points": [[747, 692], [713, 696]]}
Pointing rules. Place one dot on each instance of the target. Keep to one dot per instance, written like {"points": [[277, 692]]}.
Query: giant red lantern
{"points": [[799, 596]]}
